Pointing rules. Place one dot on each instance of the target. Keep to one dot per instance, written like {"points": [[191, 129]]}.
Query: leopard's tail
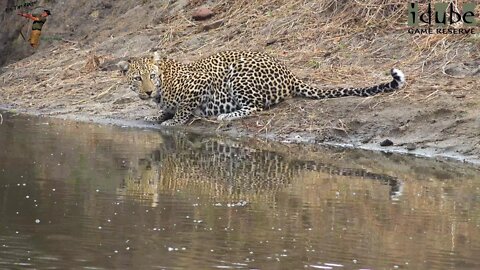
{"points": [[304, 90]]}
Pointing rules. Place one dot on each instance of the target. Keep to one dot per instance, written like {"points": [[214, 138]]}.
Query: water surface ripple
{"points": [[84, 196]]}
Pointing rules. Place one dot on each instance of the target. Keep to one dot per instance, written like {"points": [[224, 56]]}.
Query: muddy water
{"points": [[84, 196]]}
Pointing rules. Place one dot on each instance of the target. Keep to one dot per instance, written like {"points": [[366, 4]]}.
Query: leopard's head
{"points": [[143, 75]]}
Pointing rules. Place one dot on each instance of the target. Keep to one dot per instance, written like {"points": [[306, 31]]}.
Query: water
{"points": [[84, 196]]}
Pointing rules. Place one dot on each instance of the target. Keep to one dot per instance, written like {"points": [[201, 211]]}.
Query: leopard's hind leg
{"points": [[244, 95]]}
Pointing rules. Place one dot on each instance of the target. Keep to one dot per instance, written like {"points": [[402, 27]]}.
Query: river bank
{"points": [[436, 115], [300, 140]]}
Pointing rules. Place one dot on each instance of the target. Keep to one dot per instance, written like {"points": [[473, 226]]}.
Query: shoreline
{"points": [[435, 115], [234, 132]]}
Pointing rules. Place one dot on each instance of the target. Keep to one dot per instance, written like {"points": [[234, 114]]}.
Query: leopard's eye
{"points": [[152, 76], [137, 78]]}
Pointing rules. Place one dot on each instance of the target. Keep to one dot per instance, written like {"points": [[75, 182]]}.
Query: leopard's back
{"points": [[238, 76]]}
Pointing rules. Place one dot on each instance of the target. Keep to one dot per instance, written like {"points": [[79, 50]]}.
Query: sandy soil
{"points": [[437, 114]]}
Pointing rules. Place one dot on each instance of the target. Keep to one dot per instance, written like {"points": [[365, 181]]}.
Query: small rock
{"points": [[386, 142], [410, 146], [213, 25], [202, 13], [123, 100], [95, 14], [366, 140], [271, 41]]}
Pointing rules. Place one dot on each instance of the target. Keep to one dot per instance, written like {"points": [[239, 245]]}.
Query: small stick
{"points": [[427, 98], [196, 118], [265, 127], [1, 119], [188, 21], [95, 97]]}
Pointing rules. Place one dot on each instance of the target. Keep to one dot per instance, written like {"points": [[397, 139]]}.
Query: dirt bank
{"points": [[436, 114]]}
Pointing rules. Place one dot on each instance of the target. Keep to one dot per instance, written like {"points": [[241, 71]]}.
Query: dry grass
{"points": [[328, 42]]}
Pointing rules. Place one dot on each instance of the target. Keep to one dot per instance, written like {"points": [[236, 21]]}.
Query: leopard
{"points": [[229, 85]]}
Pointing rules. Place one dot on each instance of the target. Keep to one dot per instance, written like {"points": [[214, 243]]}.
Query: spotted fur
{"points": [[229, 85]]}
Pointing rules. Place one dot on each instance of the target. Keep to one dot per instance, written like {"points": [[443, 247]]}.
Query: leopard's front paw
{"points": [[169, 123], [226, 117], [153, 118]]}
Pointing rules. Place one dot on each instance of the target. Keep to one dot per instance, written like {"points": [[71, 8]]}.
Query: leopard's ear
{"points": [[123, 66], [156, 56]]}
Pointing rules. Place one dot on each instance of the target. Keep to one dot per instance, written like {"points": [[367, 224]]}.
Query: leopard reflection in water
{"points": [[226, 170]]}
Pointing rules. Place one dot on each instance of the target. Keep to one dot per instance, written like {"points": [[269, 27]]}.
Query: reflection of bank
{"points": [[39, 19]]}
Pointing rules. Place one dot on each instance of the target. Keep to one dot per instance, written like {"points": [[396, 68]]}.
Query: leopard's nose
{"points": [[149, 93]]}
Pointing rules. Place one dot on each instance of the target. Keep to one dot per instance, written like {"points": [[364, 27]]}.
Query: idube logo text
{"points": [[442, 18]]}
